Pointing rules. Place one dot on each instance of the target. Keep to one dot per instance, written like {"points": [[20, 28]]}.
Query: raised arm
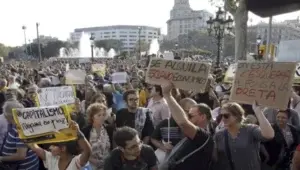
{"points": [[83, 144], [266, 129], [178, 114]]}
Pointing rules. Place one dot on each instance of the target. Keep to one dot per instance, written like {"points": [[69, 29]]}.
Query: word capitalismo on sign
{"points": [[267, 83], [43, 124], [52, 96], [185, 75]]}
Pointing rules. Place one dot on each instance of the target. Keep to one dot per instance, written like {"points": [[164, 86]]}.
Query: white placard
{"points": [[75, 77], [119, 77], [40, 120], [168, 56], [53, 96], [67, 67]]}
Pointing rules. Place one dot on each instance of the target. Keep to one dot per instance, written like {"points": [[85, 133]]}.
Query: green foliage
{"points": [[144, 46], [4, 50], [108, 44], [48, 49]]}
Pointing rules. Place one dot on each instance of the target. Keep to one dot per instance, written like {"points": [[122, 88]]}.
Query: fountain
{"points": [[154, 47], [111, 53], [84, 50]]}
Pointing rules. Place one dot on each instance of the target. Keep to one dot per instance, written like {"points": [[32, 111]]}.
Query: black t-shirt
{"points": [[161, 132], [116, 161], [199, 160], [126, 118]]}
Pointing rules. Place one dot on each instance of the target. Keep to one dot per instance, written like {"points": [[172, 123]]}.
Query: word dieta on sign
{"points": [[177, 66], [41, 116]]}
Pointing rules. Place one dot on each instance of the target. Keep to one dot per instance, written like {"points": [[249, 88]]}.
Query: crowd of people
{"points": [[139, 126]]}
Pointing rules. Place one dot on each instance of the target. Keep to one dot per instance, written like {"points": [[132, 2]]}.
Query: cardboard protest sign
{"points": [[119, 77], [267, 83], [185, 75], [53, 96], [230, 73], [44, 124], [75, 77], [99, 69], [297, 74]]}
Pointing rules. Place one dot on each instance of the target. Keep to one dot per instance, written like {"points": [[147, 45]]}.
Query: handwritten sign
{"points": [[119, 77], [75, 76], [297, 74], [52, 96], [43, 124], [230, 73], [99, 69], [185, 75], [267, 83]]}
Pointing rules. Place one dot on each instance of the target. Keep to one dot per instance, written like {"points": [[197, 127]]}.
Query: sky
{"points": [[60, 17]]}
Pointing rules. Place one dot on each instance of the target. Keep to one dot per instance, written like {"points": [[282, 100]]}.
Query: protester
{"points": [[64, 155], [131, 153]]}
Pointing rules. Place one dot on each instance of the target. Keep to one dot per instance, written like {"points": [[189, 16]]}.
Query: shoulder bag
{"points": [[228, 152]]}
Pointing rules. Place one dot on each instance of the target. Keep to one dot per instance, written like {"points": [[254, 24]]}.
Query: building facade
{"points": [[128, 34], [286, 30], [184, 19]]}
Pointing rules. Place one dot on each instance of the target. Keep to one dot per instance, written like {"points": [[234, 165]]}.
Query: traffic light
{"points": [[261, 52]]}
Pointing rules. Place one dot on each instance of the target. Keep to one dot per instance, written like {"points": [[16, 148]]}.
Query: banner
{"points": [[268, 83], [44, 124], [230, 73], [185, 75]]}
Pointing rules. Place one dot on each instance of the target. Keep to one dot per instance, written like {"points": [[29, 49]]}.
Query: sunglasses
{"points": [[225, 116]]}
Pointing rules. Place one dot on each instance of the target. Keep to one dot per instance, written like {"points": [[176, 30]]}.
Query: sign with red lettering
{"points": [[185, 75], [268, 83]]}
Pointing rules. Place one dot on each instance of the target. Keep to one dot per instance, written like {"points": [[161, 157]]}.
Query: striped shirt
{"points": [[10, 146]]}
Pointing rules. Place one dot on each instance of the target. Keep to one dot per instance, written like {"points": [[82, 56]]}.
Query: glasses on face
{"points": [[225, 116], [136, 146], [133, 99]]}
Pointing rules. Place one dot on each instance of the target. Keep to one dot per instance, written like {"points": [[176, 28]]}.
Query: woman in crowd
{"points": [[280, 149], [98, 134], [14, 153], [238, 144], [63, 156]]}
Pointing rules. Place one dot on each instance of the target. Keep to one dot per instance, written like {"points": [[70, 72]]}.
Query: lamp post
{"points": [[92, 38], [217, 27], [176, 46], [258, 41], [139, 56], [38, 41], [24, 30]]}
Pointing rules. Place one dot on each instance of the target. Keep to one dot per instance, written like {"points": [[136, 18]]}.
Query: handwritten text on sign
{"points": [[52, 96], [36, 121], [267, 83], [184, 75]]}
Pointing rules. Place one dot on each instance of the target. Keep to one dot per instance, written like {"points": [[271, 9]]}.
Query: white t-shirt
{"points": [[51, 162]]}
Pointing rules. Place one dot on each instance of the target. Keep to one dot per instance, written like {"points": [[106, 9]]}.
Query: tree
{"points": [[238, 9], [108, 44], [49, 49], [144, 46], [4, 50]]}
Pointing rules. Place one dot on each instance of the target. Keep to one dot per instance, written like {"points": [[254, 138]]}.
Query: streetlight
{"points": [[24, 30], [218, 26], [139, 56], [38, 41], [258, 41], [92, 38], [176, 46]]}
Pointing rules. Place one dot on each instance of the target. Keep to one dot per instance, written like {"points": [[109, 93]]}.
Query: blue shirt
{"points": [[31, 162], [119, 103]]}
